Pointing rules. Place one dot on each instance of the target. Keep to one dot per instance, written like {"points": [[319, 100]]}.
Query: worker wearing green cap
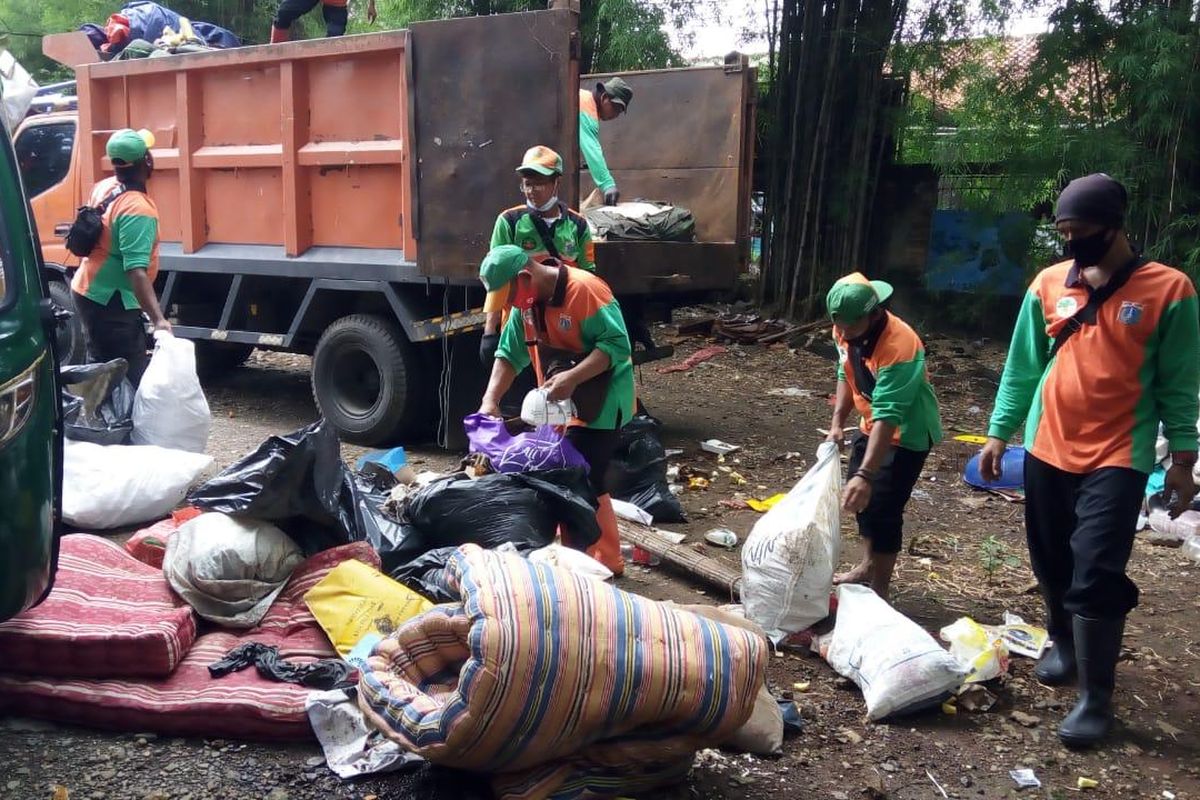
{"points": [[114, 284], [605, 102], [543, 226], [569, 327], [882, 375]]}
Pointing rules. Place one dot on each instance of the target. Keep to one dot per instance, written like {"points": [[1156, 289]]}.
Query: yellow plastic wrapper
{"points": [[763, 506], [1086, 783], [355, 600], [977, 647]]}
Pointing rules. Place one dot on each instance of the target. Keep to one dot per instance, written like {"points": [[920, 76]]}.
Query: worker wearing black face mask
{"points": [[1106, 346]]}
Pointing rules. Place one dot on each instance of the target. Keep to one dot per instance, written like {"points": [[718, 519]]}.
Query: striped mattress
{"points": [[560, 685]]}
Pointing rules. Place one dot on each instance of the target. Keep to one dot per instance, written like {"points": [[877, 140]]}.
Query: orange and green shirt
{"points": [[582, 316], [589, 141], [128, 240], [901, 395], [570, 234], [1098, 402]]}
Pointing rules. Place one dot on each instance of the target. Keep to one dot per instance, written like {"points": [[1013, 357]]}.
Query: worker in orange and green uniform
{"points": [[882, 375], [544, 227], [605, 102], [569, 326], [115, 282], [1106, 346]]}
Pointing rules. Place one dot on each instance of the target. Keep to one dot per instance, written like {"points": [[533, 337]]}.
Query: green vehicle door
{"points": [[30, 406]]}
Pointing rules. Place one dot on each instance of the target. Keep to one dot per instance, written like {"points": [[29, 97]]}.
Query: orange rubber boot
{"points": [[607, 550], [280, 35]]}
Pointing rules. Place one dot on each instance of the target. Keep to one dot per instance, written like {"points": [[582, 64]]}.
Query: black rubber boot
{"points": [[1097, 646], [1057, 666]]}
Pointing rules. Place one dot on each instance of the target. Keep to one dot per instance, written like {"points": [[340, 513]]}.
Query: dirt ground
{"points": [[964, 555]]}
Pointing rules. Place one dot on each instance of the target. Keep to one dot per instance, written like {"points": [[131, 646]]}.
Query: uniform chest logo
{"points": [[1130, 313], [1066, 306], [569, 247], [529, 244], [564, 322]]}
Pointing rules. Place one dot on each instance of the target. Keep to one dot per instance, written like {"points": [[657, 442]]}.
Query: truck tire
{"points": [[214, 359], [68, 333], [365, 381]]}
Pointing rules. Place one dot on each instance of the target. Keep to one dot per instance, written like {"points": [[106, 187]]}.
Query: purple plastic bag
{"points": [[544, 448]]}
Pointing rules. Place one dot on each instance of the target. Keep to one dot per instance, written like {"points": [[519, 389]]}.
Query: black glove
{"points": [[487, 348], [612, 197]]}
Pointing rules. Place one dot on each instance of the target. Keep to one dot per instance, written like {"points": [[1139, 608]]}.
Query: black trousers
{"points": [[289, 11], [112, 331], [597, 446], [1080, 530], [882, 521]]}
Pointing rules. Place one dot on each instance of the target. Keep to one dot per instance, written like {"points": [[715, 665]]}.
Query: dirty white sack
{"points": [[895, 661], [117, 485], [789, 557]]}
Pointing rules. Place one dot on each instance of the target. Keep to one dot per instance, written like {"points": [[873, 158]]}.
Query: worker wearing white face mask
{"points": [[543, 227]]}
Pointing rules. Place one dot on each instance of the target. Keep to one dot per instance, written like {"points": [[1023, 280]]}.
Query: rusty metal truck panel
{"points": [[687, 139], [486, 90]]}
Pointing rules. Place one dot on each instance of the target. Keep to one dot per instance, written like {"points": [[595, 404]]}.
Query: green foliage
{"points": [[615, 34], [994, 557], [1112, 88]]}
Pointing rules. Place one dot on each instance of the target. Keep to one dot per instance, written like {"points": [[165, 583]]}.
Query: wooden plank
{"points": [[684, 558], [297, 190]]}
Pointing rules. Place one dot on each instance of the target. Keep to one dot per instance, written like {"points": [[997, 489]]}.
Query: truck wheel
{"points": [[364, 379], [69, 332], [214, 359]]}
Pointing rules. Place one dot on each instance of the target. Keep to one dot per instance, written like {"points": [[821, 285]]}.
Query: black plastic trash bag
{"points": [[638, 471], [297, 481], [427, 575], [97, 402], [524, 508]]}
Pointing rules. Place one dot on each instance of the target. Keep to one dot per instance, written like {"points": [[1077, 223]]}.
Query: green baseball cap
{"points": [[498, 269], [619, 91], [128, 146], [542, 160], [853, 297]]}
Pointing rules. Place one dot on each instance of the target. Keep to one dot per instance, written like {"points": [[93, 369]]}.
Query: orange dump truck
{"points": [[334, 197]]}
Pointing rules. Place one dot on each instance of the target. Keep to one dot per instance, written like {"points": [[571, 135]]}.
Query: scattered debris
{"points": [[1168, 729], [1086, 783], [721, 537], [763, 506], [801, 686], [847, 736], [751, 329], [933, 780], [1025, 779], [792, 391], [698, 357], [976, 698], [719, 448]]}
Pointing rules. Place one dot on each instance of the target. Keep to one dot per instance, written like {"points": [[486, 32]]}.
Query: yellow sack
{"points": [[354, 600]]}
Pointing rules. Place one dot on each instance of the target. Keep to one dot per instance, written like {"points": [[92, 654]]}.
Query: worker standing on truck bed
{"points": [[569, 326], [1106, 346], [543, 227], [606, 102], [334, 11], [115, 282]]}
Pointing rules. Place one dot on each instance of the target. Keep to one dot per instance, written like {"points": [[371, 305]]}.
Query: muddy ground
{"points": [[964, 556]]}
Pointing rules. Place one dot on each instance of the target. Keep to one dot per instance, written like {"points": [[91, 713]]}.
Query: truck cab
{"points": [[30, 408]]}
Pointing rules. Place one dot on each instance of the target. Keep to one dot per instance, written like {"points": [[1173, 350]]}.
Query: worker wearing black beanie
{"points": [[1106, 347]]}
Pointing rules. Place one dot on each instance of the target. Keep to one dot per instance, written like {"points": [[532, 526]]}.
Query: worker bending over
{"points": [[569, 327], [882, 374]]}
